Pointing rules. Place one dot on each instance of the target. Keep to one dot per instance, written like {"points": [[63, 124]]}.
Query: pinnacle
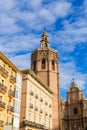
{"points": [[44, 32], [73, 83]]}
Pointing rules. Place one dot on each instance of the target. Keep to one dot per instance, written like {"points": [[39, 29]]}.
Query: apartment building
{"points": [[10, 94], [36, 103]]}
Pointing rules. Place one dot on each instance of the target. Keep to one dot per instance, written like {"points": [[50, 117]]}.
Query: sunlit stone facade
{"points": [[36, 103], [44, 62], [10, 93], [74, 110]]}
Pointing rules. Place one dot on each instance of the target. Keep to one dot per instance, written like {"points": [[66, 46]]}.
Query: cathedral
{"points": [[74, 110]]}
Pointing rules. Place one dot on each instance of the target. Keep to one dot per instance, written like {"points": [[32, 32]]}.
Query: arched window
{"points": [[75, 110], [53, 65], [34, 65], [43, 63]]}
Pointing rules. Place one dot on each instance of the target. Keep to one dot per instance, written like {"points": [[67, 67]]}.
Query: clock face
{"points": [[75, 110]]}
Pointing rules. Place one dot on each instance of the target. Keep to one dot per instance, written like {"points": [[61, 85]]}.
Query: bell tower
{"points": [[44, 62]]}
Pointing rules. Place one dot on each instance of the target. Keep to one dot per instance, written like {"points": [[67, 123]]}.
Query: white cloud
{"points": [[8, 25], [21, 25], [35, 4], [20, 43], [37, 13], [6, 5], [68, 70], [85, 8], [60, 9], [71, 35], [46, 16], [34, 17], [22, 61]]}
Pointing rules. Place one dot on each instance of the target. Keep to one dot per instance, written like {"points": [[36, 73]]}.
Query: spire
{"points": [[44, 35], [73, 83], [44, 28], [44, 40], [73, 80], [44, 32]]}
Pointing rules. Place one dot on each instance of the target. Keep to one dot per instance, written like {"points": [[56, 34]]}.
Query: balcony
{"points": [[45, 128], [33, 124], [10, 108], [36, 96], [41, 111], [31, 93], [3, 88], [1, 123], [2, 105], [36, 108], [3, 71], [46, 103], [11, 93], [50, 115], [31, 105], [12, 79], [0, 68], [50, 105], [46, 114], [41, 99]]}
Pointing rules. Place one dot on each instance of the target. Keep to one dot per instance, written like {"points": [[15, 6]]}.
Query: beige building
{"points": [[44, 62], [74, 110], [36, 103], [10, 93]]}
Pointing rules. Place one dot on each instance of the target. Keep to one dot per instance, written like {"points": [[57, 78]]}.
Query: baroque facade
{"points": [[74, 110]]}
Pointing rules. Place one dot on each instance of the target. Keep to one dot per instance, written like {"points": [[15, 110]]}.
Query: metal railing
{"points": [[1, 123], [13, 78], [2, 104], [10, 108], [11, 93], [30, 105], [4, 71], [3, 87]]}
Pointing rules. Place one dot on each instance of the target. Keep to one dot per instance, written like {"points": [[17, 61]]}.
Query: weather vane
{"points": [[73, 79]]}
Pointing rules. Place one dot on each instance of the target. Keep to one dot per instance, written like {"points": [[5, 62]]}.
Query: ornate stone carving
{"points": [[75, 107], [53, 56], [42, 54]]}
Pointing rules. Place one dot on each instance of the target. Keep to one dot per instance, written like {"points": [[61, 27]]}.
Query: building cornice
{"points": [[7, 61], [49, 49], [28, 71]]}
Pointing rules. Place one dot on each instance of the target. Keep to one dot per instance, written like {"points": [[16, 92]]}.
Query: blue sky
{"points": [[22, 23]]}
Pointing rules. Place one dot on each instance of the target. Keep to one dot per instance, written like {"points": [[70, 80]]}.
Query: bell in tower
{"points": [[44, 62], [44, 44]]}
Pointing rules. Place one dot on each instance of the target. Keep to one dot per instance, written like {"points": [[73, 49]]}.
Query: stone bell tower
{"points": [[44, 62]]}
